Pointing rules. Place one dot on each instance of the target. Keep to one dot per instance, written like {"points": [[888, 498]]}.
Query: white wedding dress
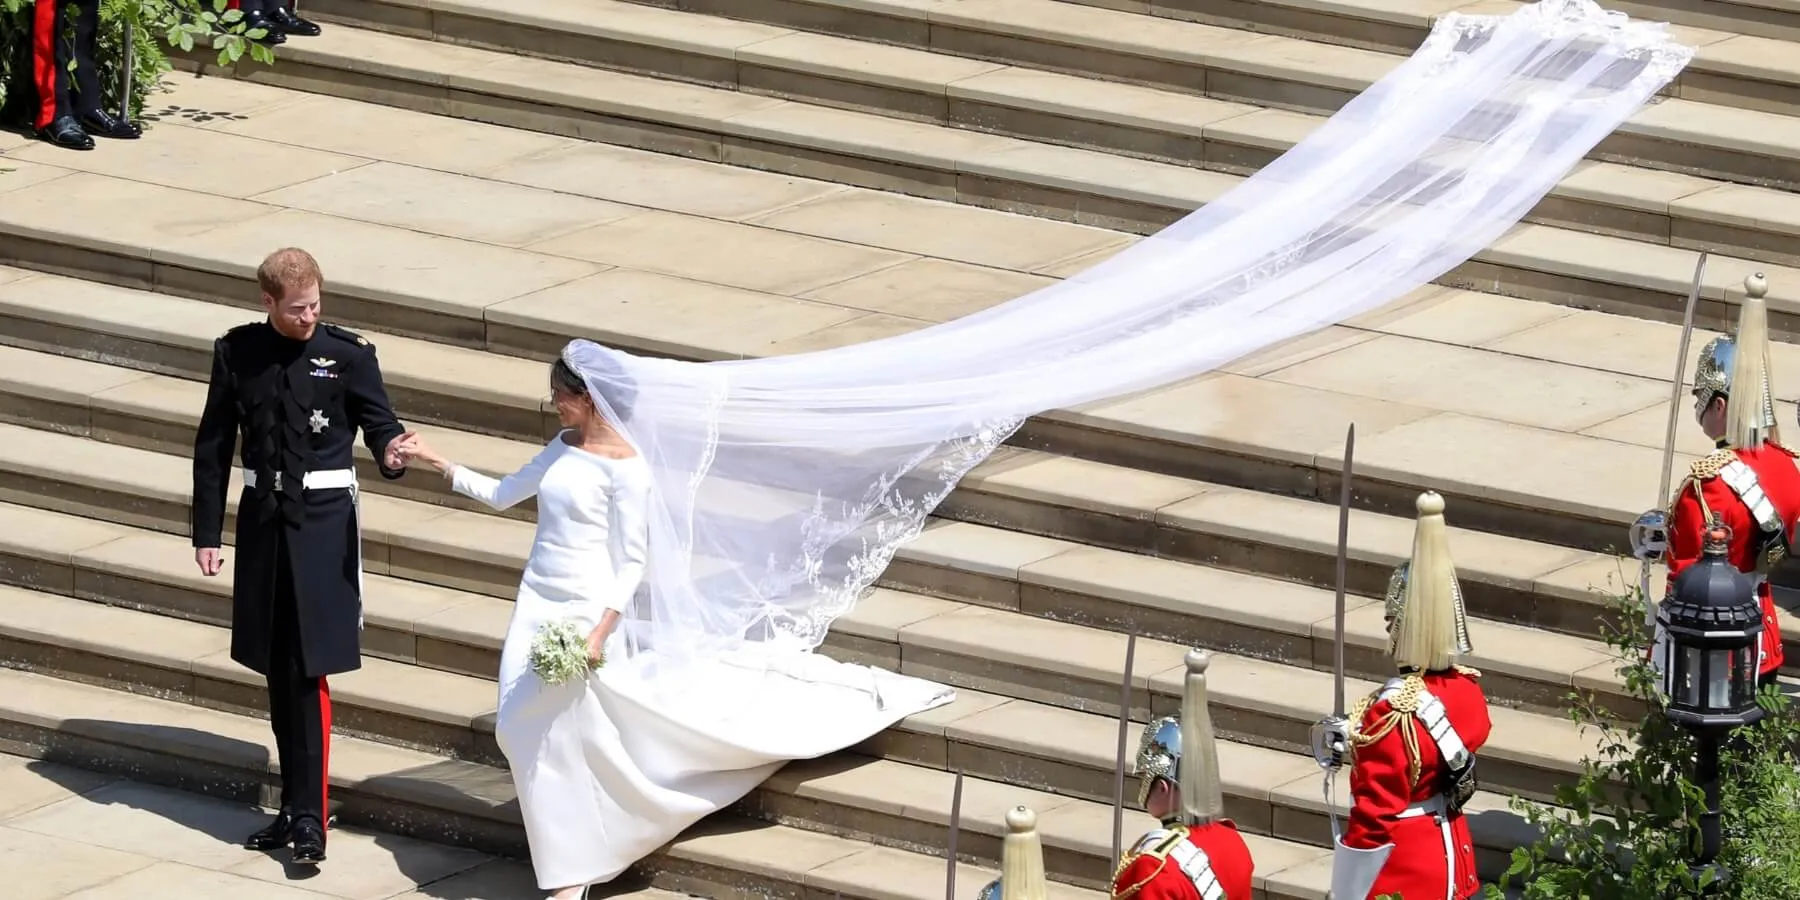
{"points": [[609, 769]]}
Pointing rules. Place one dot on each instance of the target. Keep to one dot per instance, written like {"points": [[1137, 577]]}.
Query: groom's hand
{"points": [[395, 457]]}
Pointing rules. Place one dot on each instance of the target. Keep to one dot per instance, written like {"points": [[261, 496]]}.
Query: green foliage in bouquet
{"points": [[559, 653], [1625, 829], [157, 29]]}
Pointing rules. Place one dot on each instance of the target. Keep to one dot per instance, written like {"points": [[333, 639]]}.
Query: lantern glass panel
{"points": [[1718, 678], [1688, 680], [1744, 676]]}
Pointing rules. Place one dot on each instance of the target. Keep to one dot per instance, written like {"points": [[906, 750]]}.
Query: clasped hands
{"points": [[408, 447]]}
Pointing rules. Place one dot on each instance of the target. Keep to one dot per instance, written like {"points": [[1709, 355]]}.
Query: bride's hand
{"points": [[421, 451], [596, 644]]}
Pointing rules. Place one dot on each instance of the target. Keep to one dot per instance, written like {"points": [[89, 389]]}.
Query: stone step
{"points": [[1752, 63], [1581, 494], [1286, 538], [897, 801], [1116, 41], [1020, 490], [451, 801], [1537, 261], [971, 647], [134, 329], [1052, 107], [1039, 576]]}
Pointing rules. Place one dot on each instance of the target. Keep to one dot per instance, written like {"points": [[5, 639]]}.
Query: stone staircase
{"points": [[474, 177]]}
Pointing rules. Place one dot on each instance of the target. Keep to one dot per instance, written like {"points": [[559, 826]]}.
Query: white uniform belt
{"points": [[1433, 806], [322, 480], [1198, 869], [332, 480], [1437, 723], [1743, 482]]}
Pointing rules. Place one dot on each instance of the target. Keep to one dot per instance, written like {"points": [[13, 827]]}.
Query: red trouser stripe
{"points": [[43, 59], [324, 752]]}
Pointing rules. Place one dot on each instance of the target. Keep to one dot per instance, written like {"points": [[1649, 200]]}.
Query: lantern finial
{"points": [[1718, 538]]}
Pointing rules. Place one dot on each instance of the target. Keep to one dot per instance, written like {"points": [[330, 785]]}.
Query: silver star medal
{"points": [[318, 421]]}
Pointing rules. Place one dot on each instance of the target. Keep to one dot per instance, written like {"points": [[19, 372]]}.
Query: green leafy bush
{"points": [[157, 29], [1626, 828]]}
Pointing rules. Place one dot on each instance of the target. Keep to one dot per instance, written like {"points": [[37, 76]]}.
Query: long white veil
{"points": [[784, 485]]}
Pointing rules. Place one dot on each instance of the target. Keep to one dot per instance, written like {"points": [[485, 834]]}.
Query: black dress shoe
{"points": [[309, 843], [64, 131], [279, 833], [291, 24], [101, 123], [273, 33]]}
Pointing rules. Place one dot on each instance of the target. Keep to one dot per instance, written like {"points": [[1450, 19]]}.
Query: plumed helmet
{"points": [[1021, 861], [1428, 623], [1736, 359], [1181, 751]]}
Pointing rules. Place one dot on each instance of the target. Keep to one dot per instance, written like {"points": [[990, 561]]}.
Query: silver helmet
{"points": [[1186, 758], [1750, 415]]}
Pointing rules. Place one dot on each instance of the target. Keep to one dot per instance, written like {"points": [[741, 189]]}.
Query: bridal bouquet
{"points": [[559, 653]]}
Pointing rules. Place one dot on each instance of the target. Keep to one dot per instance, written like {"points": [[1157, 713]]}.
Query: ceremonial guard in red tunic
{"points": [[1021, 861], [1750, 483], [1197, 854], [1413, 742], [55, 90]]}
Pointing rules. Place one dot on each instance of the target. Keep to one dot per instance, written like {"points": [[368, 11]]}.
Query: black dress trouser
{"points": [[299, 706]]}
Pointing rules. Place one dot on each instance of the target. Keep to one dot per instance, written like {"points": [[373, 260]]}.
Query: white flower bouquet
{"points": [[559, 653]]}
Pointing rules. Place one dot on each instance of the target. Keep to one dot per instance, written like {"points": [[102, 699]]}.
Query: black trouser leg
{"points": [[299, 710], [87, 98]]}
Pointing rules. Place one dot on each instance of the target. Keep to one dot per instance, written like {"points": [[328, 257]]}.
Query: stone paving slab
{"points": [[1098, 39], [1107, 115], [93, 836], [196, 829], [1255, 777], [1741, 61]]}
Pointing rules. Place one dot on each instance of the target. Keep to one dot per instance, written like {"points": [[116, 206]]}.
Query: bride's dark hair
{"points": [[618, 388]]}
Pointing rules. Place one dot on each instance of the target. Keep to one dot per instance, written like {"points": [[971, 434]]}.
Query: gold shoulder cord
{"points": [[1401, 708], [1159, 852]]}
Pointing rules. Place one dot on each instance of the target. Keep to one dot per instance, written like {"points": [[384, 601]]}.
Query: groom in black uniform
{"points": [[298, 391]]}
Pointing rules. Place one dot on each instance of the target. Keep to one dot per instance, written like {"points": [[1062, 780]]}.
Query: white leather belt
{"points": [[1434, 806], [323, 480], [1198, 869], [332, 480], [1430, 807]]}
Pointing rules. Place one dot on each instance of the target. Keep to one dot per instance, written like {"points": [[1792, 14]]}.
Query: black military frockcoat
{"points": [[298, 406]]}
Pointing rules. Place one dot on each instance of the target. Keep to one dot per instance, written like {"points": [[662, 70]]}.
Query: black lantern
{"points": [[1710, 657], [1712, 653]]}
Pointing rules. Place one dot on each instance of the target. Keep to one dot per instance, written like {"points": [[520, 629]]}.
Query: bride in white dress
{"points": [[609, 769]]}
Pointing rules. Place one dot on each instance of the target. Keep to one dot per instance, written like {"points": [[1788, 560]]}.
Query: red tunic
{"points": [[1381, 786], [1155, 870], [1779, 479]]}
